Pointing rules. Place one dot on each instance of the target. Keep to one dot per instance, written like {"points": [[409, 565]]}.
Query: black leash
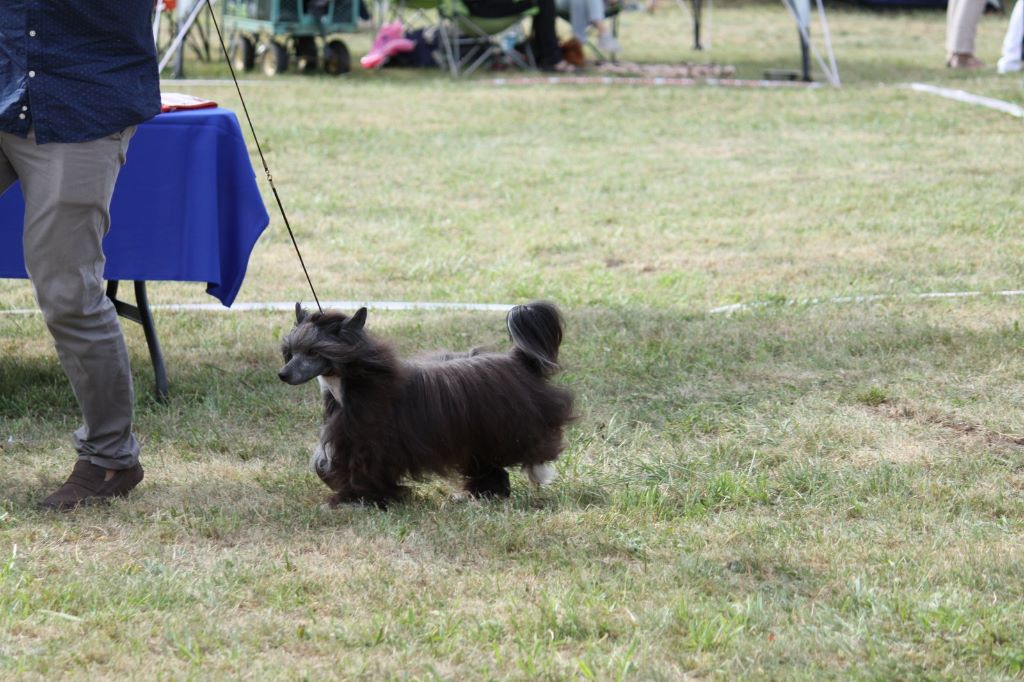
{"points": [[266, 168]]}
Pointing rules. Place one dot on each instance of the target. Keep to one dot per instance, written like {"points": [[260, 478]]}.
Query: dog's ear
{"points": [[357, 321], [300, 314]]}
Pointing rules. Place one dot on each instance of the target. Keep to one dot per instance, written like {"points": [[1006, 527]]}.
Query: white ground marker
{"points": [[283, 306], [289, 306], [649, 81], [866, 298], [969, 98]]}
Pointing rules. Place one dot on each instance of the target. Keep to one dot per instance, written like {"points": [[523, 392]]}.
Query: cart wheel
{"points": [[243, 54], [336, 58], [275, 59], [305, 53]]}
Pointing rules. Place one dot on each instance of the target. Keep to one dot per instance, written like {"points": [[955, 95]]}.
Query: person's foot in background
{"points": [[608, 44], [1009, 65], [962, 60]]}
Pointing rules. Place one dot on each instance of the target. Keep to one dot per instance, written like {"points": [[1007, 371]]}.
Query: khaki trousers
{"points": [[67, 190], [962, 17]]}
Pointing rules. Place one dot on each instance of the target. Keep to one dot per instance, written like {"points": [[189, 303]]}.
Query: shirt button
{"points": [[21, 116], [24, 108], [32, 34], [31, 74]]}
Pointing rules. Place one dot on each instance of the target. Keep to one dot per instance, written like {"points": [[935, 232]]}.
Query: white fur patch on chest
{"points": [[330, 385]]}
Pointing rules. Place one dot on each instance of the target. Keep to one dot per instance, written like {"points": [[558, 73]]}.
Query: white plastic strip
{"points": [[648, 81], [288, 306], [180, 38], [505, 307], [828, 42], [968, 98], [866, 298]]}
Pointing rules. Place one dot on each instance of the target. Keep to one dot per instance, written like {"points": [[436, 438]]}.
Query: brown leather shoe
{"points": [[962, 60], [88, 484]]}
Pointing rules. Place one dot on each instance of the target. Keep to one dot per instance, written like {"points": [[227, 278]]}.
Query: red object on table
{"points": [[176, 101]]}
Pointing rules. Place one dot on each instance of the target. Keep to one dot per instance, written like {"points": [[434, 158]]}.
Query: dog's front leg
{"points": [[321, 462]]}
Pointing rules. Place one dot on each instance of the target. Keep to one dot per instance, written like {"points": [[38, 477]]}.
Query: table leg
{"points": [[140, 313], [697, 11], [805, 58]]}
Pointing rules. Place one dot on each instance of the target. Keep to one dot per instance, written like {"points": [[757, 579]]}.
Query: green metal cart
{"points": [[273, 32]]}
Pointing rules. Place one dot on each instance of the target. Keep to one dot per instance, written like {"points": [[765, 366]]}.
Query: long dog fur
{"points": [[387, 420]]}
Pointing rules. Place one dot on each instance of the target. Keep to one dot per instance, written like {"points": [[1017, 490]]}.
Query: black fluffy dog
{"points": [[473, 414]]}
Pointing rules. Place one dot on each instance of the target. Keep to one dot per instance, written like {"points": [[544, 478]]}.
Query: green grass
{"points": [[786, 492]]}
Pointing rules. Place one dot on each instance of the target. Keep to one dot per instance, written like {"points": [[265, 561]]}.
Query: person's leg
{"points": [[7, 174], [606, 40], [595, 13], [953, 9], [962, 18], [579, 18], [545, 38], [67, 190], [1012, 58]]}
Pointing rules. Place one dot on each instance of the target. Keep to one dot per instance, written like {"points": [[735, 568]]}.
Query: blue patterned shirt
{"points": [[76, 70]]}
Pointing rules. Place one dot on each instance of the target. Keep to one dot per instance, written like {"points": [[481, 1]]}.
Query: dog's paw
{"points": [[320, 461], [541, 474], [346, 501], [337, 500]]}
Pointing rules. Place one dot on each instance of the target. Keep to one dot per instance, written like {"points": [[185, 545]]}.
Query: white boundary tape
{"points": [[289, 306], [650, 81], [969, 98], [867, 298], [504, 307]]}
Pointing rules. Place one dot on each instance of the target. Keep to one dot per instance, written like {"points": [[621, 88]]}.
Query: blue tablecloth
{"points": [[186, 206]]}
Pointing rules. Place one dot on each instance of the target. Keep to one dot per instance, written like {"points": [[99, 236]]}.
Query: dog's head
{"points": [[318, 344]]}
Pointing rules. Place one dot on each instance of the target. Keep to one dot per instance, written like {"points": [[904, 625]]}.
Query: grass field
{"points": [[789, 491]]}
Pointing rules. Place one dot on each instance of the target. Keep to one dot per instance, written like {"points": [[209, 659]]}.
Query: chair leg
{"points": [[450, 50], [479, 56]]}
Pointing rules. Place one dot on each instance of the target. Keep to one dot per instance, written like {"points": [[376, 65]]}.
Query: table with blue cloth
{"points": [[186, 208]]}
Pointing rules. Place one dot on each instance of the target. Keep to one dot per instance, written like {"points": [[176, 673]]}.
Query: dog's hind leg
{"points": [[487, 482]]}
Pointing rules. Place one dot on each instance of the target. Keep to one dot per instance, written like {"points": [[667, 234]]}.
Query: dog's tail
{"points": [[536, 331]]}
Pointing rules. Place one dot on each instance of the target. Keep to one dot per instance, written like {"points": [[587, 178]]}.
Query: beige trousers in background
{"points": [[962, 17], [67, 190]]}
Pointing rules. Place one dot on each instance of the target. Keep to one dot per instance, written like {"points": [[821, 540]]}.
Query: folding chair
{"points": [[473, 41], [412, 13]]}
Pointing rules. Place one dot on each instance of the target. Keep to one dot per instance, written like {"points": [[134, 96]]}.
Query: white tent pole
{"points": [[183, 31], [828, 41], [160, 7]]}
